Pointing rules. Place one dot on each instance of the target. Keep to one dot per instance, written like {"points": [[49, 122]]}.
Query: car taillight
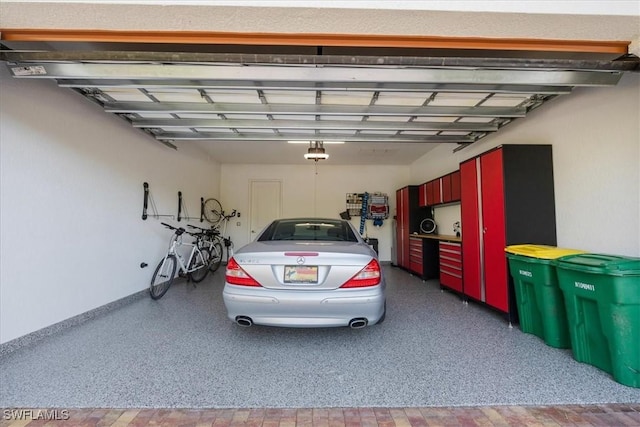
{"points": [[368, 276], [237, 276]]}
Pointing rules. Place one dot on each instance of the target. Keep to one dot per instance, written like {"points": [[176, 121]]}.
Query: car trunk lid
{"points": [[305, 265]]}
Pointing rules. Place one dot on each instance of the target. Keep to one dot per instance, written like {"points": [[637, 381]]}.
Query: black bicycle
{"points": [[214, 213], [211, 240]]}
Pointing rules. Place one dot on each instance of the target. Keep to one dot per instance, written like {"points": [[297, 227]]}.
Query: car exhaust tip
{"points": [[244, 321], [358, 323]]}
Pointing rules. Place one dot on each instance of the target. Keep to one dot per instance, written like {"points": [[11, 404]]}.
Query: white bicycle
{"points": [[195, 267]]}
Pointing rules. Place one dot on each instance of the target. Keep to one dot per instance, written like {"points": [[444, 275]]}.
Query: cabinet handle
{"points": [[446, 273], [484, 230]]}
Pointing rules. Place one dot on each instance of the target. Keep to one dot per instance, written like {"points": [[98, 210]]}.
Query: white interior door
{"points": [[266, 204]]}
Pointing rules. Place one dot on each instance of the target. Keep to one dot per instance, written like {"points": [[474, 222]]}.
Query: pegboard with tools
{"points": [[354, 203], [377, 207]]}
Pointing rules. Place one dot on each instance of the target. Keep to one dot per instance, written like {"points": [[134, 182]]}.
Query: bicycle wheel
{"points": [[199, 267], [216, 257], [163, 277], [212, 211]]}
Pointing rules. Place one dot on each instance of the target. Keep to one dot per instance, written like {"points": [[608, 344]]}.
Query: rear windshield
{"points": [[323, 230]]}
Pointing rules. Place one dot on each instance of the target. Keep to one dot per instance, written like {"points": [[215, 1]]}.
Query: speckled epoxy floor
{"points": [[182, 352]]}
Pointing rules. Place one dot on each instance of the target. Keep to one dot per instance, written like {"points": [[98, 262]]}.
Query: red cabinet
{"points": [[422, 195], [406, 217], [415, 255], [445, 183], [450, 255], [437, 192], [429, 193], [493, 229], [455, 186], [483, 219], [507, 198], [445, 189], [402, 223], [470, 220]]}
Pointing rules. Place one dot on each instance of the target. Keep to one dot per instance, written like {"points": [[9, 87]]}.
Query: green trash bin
{"points": [[602, 296], [541, 308]]}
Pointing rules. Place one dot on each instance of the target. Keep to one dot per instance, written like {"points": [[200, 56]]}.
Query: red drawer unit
{"points": [[415, 255], [451, 265]]}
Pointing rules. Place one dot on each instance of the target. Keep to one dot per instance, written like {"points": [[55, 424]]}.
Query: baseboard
{"points": [[25, 340]]}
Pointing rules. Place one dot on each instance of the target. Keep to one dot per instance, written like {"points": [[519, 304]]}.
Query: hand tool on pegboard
{"points": [[363, 213]]}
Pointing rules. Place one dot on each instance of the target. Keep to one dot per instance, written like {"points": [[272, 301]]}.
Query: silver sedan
{"points": [[306, 272]]}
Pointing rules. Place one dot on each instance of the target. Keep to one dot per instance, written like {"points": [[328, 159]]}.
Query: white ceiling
{"points": [[252, 107], [584, 7]]}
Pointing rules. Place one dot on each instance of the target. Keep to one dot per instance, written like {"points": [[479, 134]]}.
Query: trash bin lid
{"points": [[615, 265], [540, 251]]}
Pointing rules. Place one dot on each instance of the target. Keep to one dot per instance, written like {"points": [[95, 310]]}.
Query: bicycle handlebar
{"points": [[205, 231], [233, 213], [178, 230]]}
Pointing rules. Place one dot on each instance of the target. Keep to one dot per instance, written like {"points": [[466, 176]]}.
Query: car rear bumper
{"points": [[308, 309]]}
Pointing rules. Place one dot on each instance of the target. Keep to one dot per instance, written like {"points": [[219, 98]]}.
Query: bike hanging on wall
{"points": [[214, 214]]}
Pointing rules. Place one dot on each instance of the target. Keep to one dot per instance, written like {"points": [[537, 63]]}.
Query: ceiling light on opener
{"points": [[309, 142], [316, 152]]}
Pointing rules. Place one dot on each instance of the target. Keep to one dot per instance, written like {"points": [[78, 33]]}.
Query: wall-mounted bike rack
{"points": [[148, 202], [182, 206], [148, 198], [145, 200]]}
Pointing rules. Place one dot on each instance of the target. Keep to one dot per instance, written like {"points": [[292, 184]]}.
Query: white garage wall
{"points": [[305, 193], [595, 134], [71, 204]]}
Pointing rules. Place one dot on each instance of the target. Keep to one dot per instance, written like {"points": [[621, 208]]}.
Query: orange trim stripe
{"points": [[304, 39]]}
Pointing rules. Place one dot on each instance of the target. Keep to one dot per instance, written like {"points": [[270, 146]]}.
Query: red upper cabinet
{"points": [[429, 193], [446, 188], [507, 198], [422, 195], [437, 191], [455, 186]]}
